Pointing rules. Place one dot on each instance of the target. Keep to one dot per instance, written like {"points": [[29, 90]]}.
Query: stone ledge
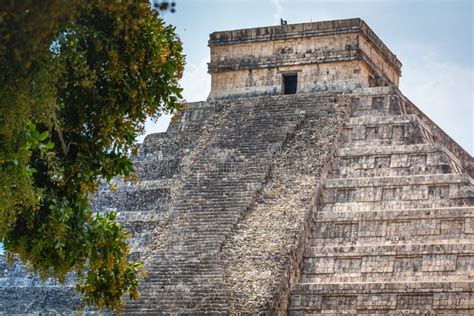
{"points": [[397, 181], [390, 150], [264, 62], [430, 248], [384, 215], [387, 287], [382, 120]]}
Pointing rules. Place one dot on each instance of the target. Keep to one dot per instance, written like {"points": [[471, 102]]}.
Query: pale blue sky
{"points": [[433, 40]]}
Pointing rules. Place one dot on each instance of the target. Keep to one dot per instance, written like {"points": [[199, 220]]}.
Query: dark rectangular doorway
{"points": [[290, 82]]}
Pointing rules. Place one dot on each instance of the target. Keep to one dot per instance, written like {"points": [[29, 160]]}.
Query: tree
{"points": [[78, 79]]}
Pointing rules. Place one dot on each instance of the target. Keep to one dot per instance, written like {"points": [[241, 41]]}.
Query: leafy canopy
{"points": [[78, 79]]}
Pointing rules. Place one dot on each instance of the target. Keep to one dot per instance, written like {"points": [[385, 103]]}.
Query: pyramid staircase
{"points": [[394, 233], [228, 167]]}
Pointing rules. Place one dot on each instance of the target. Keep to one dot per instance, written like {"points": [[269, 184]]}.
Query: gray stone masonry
{"points": [[257, 251], [326, 56], [393, 232], [229, 165], [222, 212], [235, 213]]}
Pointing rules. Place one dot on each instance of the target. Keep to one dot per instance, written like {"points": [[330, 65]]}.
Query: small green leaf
{"points": [[43, 136]]}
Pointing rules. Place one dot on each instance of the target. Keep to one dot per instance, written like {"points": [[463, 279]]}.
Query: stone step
{"points": [[408, 189], [230, 208], [447, 247], [367, 131], [389, 263], [395, 150], [204, 201], [377, 104], [434, 192], [208, 176], [395, 214], [393, 226], [452, 178], [382, 297], [382, 120], [398, 160], [395, 205], [143, 310], [455, 237], [406, 273]]}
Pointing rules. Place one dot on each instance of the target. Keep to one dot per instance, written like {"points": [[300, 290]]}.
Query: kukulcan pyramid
{"points": [[305, 184]]}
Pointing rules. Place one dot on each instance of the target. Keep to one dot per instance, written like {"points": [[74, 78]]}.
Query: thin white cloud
{"points": [[196, 82], [444, 91]]}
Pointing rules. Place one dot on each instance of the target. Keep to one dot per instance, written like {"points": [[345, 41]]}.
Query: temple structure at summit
{"points": [[332, 55]]}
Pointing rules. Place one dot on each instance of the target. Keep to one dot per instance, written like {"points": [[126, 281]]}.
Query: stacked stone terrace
{"points": [[343, 198], [394, 231]]}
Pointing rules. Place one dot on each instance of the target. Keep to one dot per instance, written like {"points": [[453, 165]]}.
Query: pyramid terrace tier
{"points": [[393, 227], [374, 298]]}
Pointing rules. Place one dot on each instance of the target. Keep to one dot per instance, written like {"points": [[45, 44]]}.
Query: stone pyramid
{"points": [[306, 184]]}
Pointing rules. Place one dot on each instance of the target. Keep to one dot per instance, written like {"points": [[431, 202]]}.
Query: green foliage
{"points": [[77, 82], [101, 285]]}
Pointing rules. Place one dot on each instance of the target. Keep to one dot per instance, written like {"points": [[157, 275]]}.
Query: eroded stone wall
{"points": [[333, 55], [268, 81], [286, 48], [375, 63]]}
